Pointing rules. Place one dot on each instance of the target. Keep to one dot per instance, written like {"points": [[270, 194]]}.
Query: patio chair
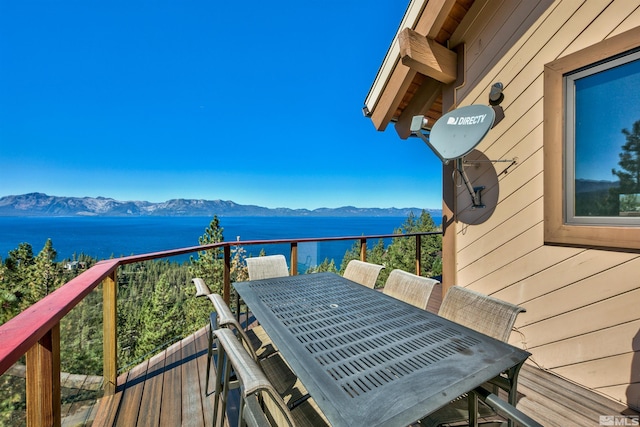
{"points": [[267, 267], [264, 267], [222, 317], [488, 315], [260, 403], [256, 341], [202, 290], [365, 273], [410, 288]]}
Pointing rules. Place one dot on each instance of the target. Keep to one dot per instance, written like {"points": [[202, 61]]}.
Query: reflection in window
{"points": [[602, 174]]}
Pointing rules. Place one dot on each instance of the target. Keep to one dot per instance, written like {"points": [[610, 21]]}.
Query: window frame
{"points": [[556, 228]]}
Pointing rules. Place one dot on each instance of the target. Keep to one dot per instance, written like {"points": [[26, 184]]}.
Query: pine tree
{"points": [[209, 265], [161, 317], [16, 293], [46, 276], [625, 197], [630, 161], [8, 299], [401, 252], [239, 271], [325, 265]]}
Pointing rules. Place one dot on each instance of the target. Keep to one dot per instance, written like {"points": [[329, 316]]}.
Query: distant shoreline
{"points": [[43, 205]]}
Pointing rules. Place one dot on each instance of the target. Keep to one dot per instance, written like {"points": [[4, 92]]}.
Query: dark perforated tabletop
{"points": [[367, 358]]}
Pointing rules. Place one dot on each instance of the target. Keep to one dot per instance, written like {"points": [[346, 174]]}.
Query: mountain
{"points": [[590, 185], [39, 204]]}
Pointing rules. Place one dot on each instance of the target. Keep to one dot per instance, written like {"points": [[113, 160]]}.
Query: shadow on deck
{"points": [[168, 390]]}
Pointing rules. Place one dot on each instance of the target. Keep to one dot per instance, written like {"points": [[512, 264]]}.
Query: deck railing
{"points": [[35, 332]]}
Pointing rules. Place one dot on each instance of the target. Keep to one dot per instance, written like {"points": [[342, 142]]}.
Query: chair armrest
{"points": [[505, 408]]}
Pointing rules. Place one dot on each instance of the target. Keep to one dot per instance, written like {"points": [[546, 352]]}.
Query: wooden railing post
{"points": [[418, 254], [43, 380], [226, 285], [294, 258], [363, 249], [110, 330]]}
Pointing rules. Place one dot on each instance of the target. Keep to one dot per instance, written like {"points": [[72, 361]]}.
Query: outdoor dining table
{"points": [[370, 359]]}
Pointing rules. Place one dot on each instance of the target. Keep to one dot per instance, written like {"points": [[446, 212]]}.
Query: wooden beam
{"points": [[449, 230], [294, 259], [110, 333], [418, 255], [420, 104], [433, 17], [43, 380], [226, 275], [427, 56], [363, 249]]}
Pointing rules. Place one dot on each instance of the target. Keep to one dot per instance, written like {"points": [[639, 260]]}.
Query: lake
{"points": [[104, 237]]}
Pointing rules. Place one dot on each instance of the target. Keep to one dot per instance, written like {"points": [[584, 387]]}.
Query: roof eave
{"points": [[399, 68]]}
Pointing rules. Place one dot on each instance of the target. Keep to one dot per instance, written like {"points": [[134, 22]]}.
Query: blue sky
{"points": [[255, 102], [607, 103]]}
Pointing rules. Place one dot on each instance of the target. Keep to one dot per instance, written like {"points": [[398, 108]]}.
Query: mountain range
{"points": [[39, 204]]}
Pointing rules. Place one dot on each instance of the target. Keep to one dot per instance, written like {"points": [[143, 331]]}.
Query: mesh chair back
{"points": [[482, 313], [267, 267], [410, 288], [365, 273]]}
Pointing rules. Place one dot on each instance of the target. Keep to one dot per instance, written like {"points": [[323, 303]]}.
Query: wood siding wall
{"points": [[583, 305]]}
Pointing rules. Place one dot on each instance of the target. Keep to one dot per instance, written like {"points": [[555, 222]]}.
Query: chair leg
{"points": [[209, 355], [222, 386], [212, 325], [216, 402], [472, 399]]}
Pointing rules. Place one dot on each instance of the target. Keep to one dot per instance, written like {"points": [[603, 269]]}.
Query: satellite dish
{"points": [[458, 132]]}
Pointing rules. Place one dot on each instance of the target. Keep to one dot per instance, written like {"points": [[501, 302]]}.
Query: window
{"points": [[592, 145], [602, 164]]}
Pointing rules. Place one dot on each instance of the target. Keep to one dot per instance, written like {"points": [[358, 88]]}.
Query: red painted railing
{"points": [[35, 332]]}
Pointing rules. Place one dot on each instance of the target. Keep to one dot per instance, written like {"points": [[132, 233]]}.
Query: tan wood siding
{"points": [[602, 372], [582, 318], [595, 345], [489, 40]]}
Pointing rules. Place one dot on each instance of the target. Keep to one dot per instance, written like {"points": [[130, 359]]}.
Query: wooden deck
{"points": [[168, 390]]}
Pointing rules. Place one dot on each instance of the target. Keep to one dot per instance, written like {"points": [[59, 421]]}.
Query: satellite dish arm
{"points": [[418, 123], [426, 141], [474, 192]]}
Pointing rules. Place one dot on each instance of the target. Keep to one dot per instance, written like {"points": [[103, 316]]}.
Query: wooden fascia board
{"points": [[392, 95], [429, 22], [427, 57]]}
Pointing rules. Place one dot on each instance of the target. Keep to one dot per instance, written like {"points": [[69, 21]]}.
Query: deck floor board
{"points": [[171, 403], [174, 392]]}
